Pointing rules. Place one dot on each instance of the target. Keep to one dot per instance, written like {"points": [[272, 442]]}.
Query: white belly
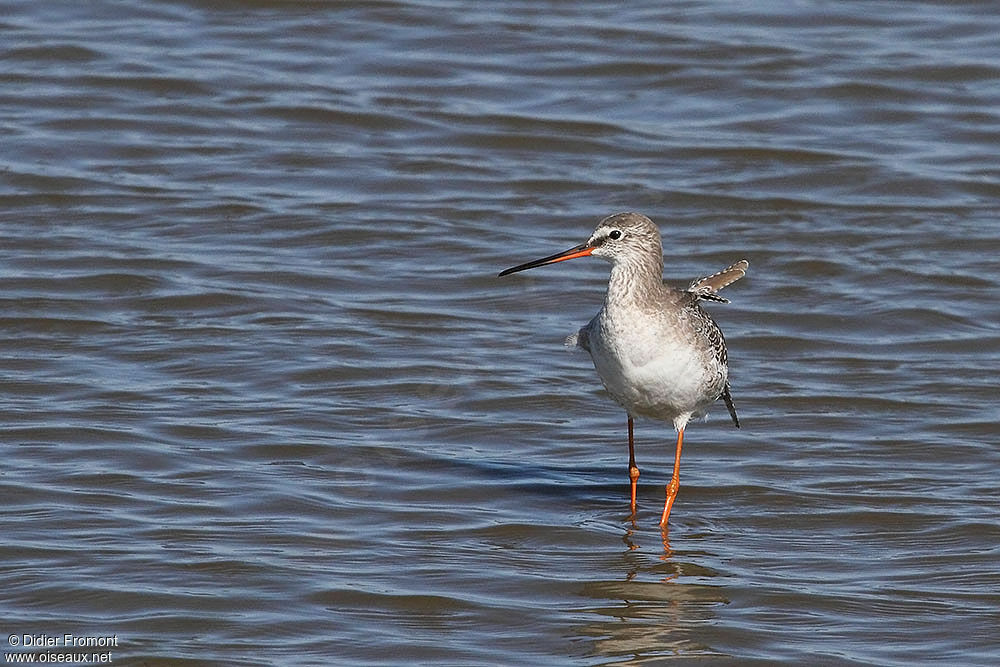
{"points": [[654, 373]]}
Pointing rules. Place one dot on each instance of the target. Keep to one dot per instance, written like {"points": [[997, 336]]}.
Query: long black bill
{"points": [[581, 250]]}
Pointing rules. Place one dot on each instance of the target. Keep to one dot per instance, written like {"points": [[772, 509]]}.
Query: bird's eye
{"points": [[615, 235]]}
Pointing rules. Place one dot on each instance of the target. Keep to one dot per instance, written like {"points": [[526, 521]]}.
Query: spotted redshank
{"points": [[658, 353]]}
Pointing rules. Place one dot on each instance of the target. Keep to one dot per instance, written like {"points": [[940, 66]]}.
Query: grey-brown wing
{"points": [[707, 327]]}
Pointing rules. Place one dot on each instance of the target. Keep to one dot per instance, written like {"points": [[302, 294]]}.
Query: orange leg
{"points": [[633, 469], [675, 481]]}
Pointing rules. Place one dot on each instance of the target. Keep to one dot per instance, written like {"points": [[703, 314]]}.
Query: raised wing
{"points": [[708, 287]]}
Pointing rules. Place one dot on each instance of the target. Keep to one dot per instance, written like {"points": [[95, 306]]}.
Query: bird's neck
{"points": [[634, 282]]}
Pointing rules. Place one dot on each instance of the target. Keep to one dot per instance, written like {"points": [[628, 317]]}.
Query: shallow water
{"points": [[266, 402]]}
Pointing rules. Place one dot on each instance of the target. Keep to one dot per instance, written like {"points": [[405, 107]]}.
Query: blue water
{"points": [[266, 402]]}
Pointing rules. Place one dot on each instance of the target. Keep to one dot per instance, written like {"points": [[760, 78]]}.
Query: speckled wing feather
{"points": [[708, 287], [706, 326]]}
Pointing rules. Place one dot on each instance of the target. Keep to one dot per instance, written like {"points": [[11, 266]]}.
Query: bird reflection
{"points": [[654, 612], [629, 539]]}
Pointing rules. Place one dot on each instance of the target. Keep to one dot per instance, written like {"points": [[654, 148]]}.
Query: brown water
{"points": [[266, 402]]}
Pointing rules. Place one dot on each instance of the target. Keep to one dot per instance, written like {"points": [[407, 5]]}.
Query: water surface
{"points": [[266, 402]]}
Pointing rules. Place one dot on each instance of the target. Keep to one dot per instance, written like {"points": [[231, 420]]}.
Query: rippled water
{"points": [[266, 402]]}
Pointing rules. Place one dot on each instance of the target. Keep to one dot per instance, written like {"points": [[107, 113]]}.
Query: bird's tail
{"points": [[728, 398]]}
